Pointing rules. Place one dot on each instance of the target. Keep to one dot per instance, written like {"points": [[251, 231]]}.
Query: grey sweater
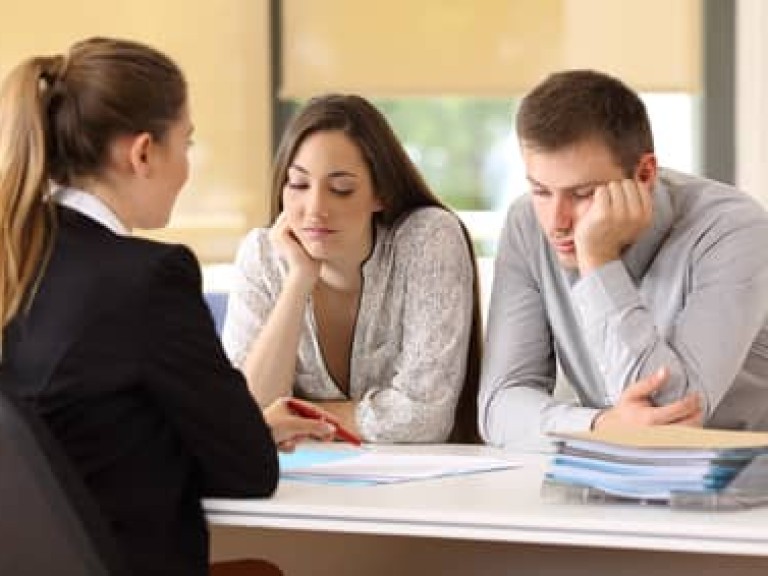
{"points": [[691, 295]]}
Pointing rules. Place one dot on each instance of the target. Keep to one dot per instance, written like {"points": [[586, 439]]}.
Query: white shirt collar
{"points": [[92, 207]]}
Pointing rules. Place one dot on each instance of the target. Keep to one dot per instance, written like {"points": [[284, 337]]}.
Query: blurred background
{"points": [[447, 73]]}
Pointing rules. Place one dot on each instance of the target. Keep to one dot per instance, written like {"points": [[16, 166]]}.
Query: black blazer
{"points": [[118, 352]]}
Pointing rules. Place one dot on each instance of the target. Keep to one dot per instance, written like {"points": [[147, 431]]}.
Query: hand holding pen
{"points": [[308, 410], [289, 428]]}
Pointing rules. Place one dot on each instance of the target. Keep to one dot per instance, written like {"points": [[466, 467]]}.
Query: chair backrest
{"points": [[48, 521], [217, 302]]}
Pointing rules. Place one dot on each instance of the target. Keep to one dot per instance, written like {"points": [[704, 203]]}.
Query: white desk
{"points": [[485, 523]]}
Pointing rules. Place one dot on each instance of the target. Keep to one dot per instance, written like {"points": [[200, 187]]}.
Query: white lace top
{"points": [[410, 343]]}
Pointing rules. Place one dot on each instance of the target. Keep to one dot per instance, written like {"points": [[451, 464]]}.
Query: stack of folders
{"points": [[678, 465]]}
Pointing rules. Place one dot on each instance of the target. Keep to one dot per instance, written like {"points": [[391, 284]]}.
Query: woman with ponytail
{"points": [[105, 335]]}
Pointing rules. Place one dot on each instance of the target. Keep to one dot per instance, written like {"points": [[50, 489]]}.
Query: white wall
{"points": [[752, 97]]}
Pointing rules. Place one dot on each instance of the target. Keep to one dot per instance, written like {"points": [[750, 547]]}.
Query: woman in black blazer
{"points": [[106, 335]]}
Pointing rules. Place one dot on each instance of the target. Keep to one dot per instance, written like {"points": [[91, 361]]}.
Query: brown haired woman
{"points": [[105, 335], [363, 295]]}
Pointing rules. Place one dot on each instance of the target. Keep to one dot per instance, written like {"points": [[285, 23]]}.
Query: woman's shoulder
{"points": [[160, 263], [256, 250], [427, 222], [256, 239], [128, 259], [429, 233]]}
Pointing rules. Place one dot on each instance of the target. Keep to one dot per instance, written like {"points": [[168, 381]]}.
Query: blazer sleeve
{"points": [[194, 382]]}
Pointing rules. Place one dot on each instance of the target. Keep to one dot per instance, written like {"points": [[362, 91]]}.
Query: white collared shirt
{"points": [[91, 206]]}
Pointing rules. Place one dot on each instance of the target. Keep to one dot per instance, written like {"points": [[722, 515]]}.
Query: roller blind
{"points": [[493, 47], [223, 48]]}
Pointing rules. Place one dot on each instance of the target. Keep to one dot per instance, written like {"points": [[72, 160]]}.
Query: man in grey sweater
{"points": [[646, 287]]}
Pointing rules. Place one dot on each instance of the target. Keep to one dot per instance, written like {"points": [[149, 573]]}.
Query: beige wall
{"points": [[223, 47], [396, 48]]}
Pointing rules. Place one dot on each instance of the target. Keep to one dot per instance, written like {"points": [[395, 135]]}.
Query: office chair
{"points": [[217, 302], [49, 524]]}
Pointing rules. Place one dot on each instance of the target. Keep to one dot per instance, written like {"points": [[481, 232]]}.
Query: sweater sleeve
{"points": [[256, 285], [720, 318], [201, 393], [516, 404]]}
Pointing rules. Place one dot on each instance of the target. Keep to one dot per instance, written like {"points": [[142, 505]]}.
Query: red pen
{"points": [[310, 412]]}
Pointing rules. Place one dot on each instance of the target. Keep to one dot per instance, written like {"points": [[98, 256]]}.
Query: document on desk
{"points": [[657, 463], [368, 467]]}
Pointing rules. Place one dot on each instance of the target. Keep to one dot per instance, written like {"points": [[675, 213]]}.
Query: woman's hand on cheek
{"points": [[301, 266]]}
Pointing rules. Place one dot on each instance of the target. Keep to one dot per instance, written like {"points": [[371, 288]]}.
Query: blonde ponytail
{"points": [[25, 214]]}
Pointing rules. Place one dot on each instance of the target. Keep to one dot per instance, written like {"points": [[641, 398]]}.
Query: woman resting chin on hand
{"points": [[362, 296]]}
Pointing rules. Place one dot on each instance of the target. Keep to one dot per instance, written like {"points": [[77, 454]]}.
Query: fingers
{"points": [[601, 202], [311, 420], [282, 230], [281, 222], [318, 429], [685, 409], [310, 410], [295, 428], [639, 203], [618, 199], [631, 204], [696, 420], [288, 445], [646, 387], [625, 204], [646, 200], [291, 425], [279, 233], [635, 407], [614, 220]]}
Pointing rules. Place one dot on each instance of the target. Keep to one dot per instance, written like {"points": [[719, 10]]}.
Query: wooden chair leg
{"points": [[250, 567]]}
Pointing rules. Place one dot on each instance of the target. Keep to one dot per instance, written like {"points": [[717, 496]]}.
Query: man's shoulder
{"points": [[705, 201], [715, 220], [521, 214], [521, 220]]}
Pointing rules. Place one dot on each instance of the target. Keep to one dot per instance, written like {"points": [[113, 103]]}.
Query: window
{"points": [[467, 150]]}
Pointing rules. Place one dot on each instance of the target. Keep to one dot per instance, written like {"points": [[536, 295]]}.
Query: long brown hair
{"points": [[58, 117], [401, 189]]}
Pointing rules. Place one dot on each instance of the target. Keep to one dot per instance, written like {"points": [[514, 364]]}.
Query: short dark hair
{"points": [[576, 105]]}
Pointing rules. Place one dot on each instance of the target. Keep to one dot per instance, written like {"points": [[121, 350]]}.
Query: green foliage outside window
{"points": [[452, 141]]}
